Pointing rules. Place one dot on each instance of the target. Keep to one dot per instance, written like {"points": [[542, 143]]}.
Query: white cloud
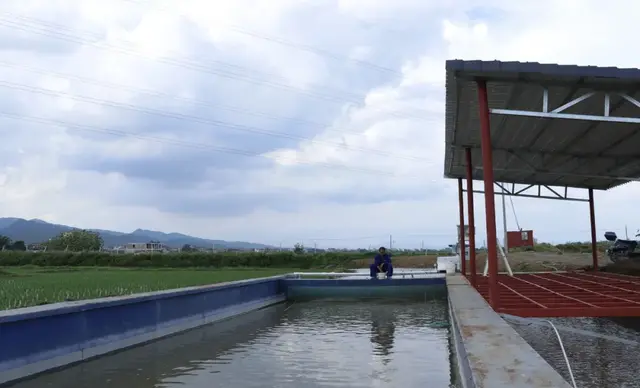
{"points": [[224, 54]]}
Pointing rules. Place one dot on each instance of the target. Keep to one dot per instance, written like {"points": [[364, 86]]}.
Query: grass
{"points": [[32, 286]]}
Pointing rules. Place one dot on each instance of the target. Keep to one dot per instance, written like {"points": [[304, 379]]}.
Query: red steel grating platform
{"points": [[570, 294]]}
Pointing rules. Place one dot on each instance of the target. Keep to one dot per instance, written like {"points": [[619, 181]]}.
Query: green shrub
{"points": [[179, 260]]}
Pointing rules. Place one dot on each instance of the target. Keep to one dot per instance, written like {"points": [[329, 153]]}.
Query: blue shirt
{"points": [[382, 259]]}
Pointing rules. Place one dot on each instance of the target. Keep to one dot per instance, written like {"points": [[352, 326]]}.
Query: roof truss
{"points": [[533, 191], [557, 113]]}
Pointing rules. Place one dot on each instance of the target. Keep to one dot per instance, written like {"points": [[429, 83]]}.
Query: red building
{"points": [[520, 238]]}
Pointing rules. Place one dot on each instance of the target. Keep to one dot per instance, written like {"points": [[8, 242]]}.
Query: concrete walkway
{"points": [[491, 354]]}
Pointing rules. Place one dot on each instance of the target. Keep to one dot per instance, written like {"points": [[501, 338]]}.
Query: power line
{"points": [[150, 111], [345, 238], [76, 35], [187, 64], [41, 28], [284, 42], [149, 92], [181, 143], [380, 236], [196, 119]]}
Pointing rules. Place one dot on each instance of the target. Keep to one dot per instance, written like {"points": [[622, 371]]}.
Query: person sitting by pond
{"points": [[381, 263]]}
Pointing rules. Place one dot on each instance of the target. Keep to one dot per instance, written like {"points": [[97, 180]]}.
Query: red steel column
{"points": [[489, 197], [463, 256], [472, 221], [594, 242]]}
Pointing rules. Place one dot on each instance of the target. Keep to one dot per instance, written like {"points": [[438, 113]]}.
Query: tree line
{"points": [[6, 244], [76, 240], [80, 240], [181, 260]]}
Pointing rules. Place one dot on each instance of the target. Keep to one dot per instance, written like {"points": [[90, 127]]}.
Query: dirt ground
{"points": [[544, 261], [631, 268], [424, 261], [519, 261]]}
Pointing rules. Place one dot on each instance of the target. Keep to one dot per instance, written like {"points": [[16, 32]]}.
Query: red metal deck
{"points": [[571, 294]]}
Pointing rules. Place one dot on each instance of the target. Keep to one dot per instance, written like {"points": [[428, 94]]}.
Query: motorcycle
{"points": [[621, 249]]}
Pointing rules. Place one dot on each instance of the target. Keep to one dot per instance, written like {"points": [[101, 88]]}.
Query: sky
{"points": [[275, 121]]}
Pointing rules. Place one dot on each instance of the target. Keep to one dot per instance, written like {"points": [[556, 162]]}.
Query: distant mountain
{"points": [[158, 235], [36, 231], [4, 222]]}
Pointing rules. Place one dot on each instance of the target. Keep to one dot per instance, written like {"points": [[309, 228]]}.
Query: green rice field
{"points": [[32, 286]]}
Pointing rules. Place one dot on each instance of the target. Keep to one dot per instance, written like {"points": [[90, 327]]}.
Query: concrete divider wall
{"points": [[36, 339], [463, 364]]}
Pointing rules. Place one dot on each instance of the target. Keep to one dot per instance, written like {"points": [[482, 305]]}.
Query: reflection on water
{"points": [[383, 328], [380, 343], [604, 353]]}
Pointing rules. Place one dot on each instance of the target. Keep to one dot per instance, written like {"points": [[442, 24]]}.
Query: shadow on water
{"points": [[603, 352], [356, 343]]}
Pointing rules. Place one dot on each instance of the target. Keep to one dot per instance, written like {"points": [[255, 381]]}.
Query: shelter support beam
{"points": [[489, 197], [461, 243], [472, 221], [532, 152], [594, 242]]}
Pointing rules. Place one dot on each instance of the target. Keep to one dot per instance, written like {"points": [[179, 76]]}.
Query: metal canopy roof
{"points": [[553, 125]]}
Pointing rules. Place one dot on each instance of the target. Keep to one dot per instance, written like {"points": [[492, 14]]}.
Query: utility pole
{"points": [[390, 242], [504, 222]]}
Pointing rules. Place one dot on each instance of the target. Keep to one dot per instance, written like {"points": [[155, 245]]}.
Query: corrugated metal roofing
{"points": [[530, 150]]}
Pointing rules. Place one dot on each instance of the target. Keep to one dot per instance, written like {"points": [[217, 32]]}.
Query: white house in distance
{"points": [[145, 248]]}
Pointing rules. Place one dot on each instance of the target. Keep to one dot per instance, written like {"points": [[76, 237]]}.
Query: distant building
{"points": [[36, 247], [145, 247]]}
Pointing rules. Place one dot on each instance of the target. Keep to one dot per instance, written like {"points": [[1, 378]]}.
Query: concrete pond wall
{"points": [[489, 353], [37, 339]]}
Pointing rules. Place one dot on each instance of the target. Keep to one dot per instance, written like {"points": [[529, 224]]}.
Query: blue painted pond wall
{"points": [[37, 339]]}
